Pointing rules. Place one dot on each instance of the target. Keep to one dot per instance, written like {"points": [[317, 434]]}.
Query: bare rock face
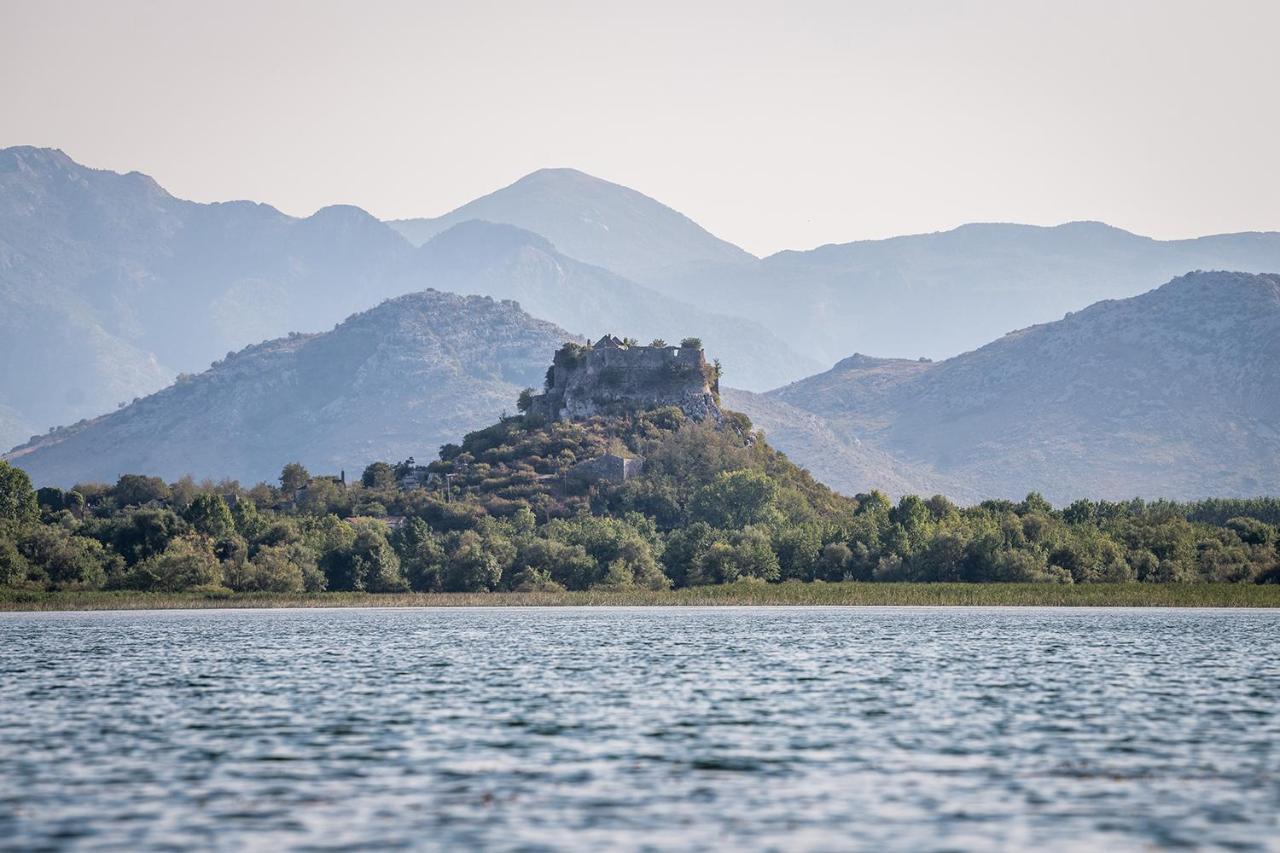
{"points": [[612, 378]]}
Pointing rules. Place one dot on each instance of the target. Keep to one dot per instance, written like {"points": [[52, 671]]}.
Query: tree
{"points": [[138, 490], [835, 561], [422, 557], [525, 401], [658, 343], [320, 496], [13, 566], [283, 568], [470, 567], [735, 500], [209, 515], [691, 343], [187, 562], [293, 477], [50, 498], [17, 498], [142, 533], [378, 475]]}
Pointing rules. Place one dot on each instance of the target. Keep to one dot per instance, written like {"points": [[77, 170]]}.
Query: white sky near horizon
{"points": [[774, 125]]}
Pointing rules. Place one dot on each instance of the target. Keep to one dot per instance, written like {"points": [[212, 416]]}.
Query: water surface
{"points": [[720, 728]]}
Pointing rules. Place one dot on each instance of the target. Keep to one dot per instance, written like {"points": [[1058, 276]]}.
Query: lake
{"points": [[751, 728]]}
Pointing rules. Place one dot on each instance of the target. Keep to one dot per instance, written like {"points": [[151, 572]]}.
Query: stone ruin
{"points": [[613, 377]]}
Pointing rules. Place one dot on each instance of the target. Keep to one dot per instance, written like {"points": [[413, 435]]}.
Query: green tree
{"points": [[293, 477], [17, 498], [138, 490], [735, 500], [283, 568], [378, 475], [209, 515], [186, 563], [525, 401], [470, 567]]}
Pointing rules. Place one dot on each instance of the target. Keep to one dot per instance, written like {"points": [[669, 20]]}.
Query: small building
{"points": [[417, 477], [609, 468]]}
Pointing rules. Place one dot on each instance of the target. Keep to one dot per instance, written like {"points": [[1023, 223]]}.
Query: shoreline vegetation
{"points": [[743, 593], [634, 503]]}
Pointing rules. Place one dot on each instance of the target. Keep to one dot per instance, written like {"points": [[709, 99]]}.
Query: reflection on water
{"points": [[824, 728]]}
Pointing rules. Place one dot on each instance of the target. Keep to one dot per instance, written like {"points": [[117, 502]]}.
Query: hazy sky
{"points": [[772, 124]]}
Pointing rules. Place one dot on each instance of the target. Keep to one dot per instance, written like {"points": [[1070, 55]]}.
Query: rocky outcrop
{"points": [[612, 377]]}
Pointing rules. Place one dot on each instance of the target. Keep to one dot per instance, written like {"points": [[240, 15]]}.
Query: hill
{"points": [[938, 295], [507, 262], [109, 286], [1170, 394], [395, 381], [592, 220], [841, 461]]}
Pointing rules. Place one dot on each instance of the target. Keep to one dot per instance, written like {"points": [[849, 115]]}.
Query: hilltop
{"points": [[110, 286], [507, 262], [1170, 394], [398, 380], [939, 295], [593, 220]]}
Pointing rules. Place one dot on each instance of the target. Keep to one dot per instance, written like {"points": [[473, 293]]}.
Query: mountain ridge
{"points": [[431, 365], [1172, 393]]}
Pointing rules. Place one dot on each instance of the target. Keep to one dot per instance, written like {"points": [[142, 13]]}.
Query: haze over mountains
{"points": [[109, 287], [925, 295], [392, 382], [594, 221], [1173, 393]]}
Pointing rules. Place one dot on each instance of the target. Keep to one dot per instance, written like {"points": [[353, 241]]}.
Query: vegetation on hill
{"points": [[503, 511]]}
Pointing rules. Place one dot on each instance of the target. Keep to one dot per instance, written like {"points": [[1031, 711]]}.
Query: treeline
{"points": [[502, 511]]}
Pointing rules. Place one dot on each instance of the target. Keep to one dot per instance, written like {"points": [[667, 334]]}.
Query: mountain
{"points": [[395, 381], [592, 220], [1174, 393], [506, 262], [937, 295], [847, 465], [109, 286]]}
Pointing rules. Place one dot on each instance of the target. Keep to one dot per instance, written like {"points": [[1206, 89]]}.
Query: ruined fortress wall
{"points": [[610, 378]]}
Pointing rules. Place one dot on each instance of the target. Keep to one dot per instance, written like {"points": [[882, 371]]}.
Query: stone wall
{"points": [[612, 378]]}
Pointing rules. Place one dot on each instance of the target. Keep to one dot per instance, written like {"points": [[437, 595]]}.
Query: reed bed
{"points": [[740, 594]]}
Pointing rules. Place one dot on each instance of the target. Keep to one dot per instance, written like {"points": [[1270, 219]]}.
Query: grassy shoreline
{"points": [[752, 594]]}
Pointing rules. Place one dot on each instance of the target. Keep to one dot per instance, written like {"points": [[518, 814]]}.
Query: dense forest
{"points": [[502, 511]]}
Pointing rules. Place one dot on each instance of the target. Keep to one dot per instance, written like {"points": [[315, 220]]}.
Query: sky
{"points": [[774, 125]]}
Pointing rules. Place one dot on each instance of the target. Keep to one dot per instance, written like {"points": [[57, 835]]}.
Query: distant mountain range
{"points": [[930, 295], [399, 380], [109, 286], [937, 295], [1173, 393], [506, 262], [594, 221]]}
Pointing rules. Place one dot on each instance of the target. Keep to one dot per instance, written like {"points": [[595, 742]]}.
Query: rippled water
{"points": [[731, 728]]}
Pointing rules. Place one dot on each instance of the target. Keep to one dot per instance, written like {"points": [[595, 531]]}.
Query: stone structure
{"points": [[611, 377], [610, 468]]}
